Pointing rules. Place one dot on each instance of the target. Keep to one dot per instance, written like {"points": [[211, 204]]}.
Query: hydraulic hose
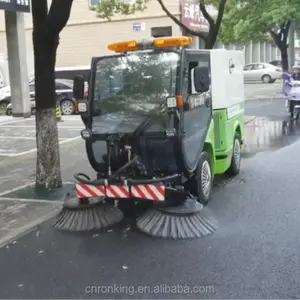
{"points": [[123, 168]]}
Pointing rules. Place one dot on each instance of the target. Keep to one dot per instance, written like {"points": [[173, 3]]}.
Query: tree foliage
{"points": [[260, 21], [106, 9]]}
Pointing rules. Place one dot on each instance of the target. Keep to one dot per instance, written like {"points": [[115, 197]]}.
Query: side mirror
{"points": [[78, 87], [201, 79]]}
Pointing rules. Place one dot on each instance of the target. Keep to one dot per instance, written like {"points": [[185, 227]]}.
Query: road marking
{"points": [[34, 149], [3, 137], [33, 126], [14, 121], [17, 188], [26, 185], [31, 200]]}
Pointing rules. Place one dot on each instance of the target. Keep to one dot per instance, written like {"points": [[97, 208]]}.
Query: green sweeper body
{"points": [[161, 121]]}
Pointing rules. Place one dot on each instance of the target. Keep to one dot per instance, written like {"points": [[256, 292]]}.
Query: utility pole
{"points": [[291, 49]]}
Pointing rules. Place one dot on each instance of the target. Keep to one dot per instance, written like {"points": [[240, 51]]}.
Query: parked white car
{"points": [[9, 108], [264, 72]]}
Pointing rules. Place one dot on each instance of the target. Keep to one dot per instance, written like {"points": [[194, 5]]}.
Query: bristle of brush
{"points": [[91, 218], [160, 224]]}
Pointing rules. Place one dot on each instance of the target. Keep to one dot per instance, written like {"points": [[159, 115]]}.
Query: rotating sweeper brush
{"points": [[187, 221], [87, 213]]}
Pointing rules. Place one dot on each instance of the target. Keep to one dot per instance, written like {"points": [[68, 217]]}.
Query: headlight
{"points": [[171, 102], [86, 134], [82, 107]]}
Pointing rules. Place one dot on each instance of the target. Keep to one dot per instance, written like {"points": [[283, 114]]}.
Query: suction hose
{"points": [[79, 176], [123, 168]]}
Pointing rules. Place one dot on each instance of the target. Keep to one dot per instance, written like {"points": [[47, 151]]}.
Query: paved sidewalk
{"points": [[20, 217], [17, 218]]}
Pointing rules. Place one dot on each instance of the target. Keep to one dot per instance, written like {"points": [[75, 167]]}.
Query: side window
{"points": [[31, 88], [191, 85], [58, 86], [260, 66], [61, 86], [248, 67]]}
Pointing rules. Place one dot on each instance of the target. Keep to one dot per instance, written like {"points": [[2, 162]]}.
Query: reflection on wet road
{"points": [[268, 134]]}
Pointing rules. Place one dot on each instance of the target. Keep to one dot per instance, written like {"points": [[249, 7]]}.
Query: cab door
{"points": [[197, 111]]}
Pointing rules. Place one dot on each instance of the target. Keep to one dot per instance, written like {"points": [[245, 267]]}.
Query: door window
{"points": [[258, 67], [197, 114], [31, 88]]}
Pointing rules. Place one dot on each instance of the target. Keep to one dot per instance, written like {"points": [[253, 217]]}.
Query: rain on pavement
{"points": [[254, 254]]}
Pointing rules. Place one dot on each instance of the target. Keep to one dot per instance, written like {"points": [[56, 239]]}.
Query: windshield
{"points": [[128, 88]]}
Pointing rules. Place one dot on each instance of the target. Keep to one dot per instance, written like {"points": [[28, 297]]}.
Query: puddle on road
{"points": [[264, 134]]}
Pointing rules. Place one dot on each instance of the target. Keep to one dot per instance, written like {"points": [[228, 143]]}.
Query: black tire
{"points": [[235, 165], [9, 112], [266, 79], [204, 175], [71, 107], [3, 105]]}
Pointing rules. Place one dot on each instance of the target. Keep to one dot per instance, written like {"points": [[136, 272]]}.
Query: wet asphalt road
{"points": [[254, 253]]}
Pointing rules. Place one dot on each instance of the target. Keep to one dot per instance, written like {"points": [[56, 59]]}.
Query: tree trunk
{"points": [[209, 43], [211, 38], [284, 57], [48, 172]]}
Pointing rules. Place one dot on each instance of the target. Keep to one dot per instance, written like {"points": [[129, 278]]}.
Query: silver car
{"points": [[264, 72]]}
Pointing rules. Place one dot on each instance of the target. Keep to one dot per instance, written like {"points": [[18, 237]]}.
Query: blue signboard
{"points": [[15, 5], [138, 26]]}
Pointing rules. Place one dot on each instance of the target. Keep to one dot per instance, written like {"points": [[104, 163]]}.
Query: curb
{"points": [[24, 230], [273, 97]]}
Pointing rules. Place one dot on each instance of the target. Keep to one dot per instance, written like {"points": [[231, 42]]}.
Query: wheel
{"points": [[204, 179], [9, 112], [67, 107], [3, 105], [266, 79], [235, 165]]}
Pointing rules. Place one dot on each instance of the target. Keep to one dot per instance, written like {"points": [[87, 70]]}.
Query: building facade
{"points": [[86, 35]]}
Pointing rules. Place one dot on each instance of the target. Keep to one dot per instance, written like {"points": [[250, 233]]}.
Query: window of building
{"points": [[161, 31], [93, 3]]}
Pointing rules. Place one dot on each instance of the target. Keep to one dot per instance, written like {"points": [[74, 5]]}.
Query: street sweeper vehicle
{"points": [[161, 121]]}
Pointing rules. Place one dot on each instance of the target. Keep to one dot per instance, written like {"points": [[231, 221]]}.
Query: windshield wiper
{"points": [[148, 121]]}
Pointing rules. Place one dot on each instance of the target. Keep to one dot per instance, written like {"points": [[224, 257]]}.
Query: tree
{"points": [[47, 25], [260, 21], [106, 9]]}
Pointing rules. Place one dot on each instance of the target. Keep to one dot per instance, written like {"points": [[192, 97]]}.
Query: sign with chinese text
{"points": [[192, 17], [15, 5]]}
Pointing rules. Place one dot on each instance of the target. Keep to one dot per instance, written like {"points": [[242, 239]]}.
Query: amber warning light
{"points": [[167, 42]]}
